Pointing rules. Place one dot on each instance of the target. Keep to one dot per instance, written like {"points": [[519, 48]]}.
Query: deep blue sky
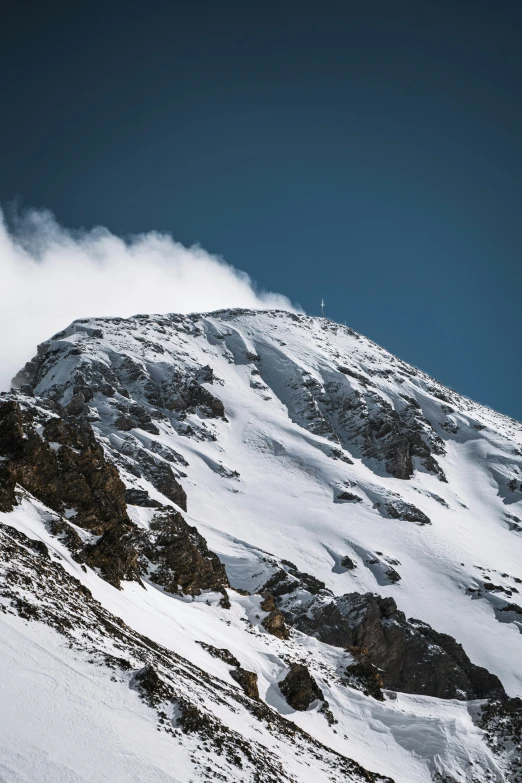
{"points": [[369, 152]]}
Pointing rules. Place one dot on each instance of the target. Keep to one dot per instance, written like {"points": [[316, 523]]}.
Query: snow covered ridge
{"points": [[270, 497]]}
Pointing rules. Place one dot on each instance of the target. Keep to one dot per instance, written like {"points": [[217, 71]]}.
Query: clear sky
{"points": [[368, 152]]}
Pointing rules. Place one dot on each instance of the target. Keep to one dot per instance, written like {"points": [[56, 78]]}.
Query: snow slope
{"points": [[304, 404]]}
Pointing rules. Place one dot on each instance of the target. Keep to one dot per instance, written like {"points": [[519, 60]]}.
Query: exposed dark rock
{"points": [[392, 575], [347, 562], [348, 496], [268, 603], [160, 475], [65, 467], [399, 509], [181, 558], [283, 582], [515, 608], [7, 487], [224, 601], [338, 454], [136, 417], [353, 374], [153, 689], [187, 394], [394, 437], [299, 688], [247, 680], [26, 389], [363, 675], [140, 497], [78, 405], [68, 535], [410, 655], [116, 554], [222, 653], [501, 721], [275, 624], [191, 719], [365, 420]]}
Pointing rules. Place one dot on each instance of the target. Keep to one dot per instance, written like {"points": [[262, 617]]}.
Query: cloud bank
{"points": [[49, 276]]}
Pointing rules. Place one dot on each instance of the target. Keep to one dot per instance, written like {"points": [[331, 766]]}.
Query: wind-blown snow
{"points": [[49, 275]]}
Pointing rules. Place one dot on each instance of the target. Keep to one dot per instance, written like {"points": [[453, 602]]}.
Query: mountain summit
{"points": [[255, 546]]}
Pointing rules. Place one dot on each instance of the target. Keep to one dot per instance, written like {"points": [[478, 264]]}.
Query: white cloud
{"points": [[50, 276]]}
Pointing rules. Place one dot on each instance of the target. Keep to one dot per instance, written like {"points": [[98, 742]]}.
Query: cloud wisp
{"points": [[49, 276]]}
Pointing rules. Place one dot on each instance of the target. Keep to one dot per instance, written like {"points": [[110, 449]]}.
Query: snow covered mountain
{"points": [[255, 546]]}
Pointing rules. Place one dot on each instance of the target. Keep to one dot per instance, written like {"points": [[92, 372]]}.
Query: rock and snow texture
{"points": [[314, 465]]}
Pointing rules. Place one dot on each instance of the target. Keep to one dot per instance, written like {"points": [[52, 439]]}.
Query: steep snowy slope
{"points": [[315, 465]]}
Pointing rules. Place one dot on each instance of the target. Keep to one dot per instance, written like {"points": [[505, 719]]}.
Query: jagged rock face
{"points": [[222, 653], [364, 421], [501, 721], [161, 477], [152, 687], [299, 688], [63, 466], [393, 437], [60, 462], [410, 655], [181, 558], [398, 509]]}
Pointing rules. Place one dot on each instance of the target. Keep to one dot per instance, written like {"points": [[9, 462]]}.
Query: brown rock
{"points": [[247, 680], [268, 603], [275, 624]]}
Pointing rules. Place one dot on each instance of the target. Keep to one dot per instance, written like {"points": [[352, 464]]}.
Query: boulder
{"points": [[275, 624], [299, 688]]}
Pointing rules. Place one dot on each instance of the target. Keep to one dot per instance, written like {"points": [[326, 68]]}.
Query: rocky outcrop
{"points": [[116, 555], [299, 688], [56, 458], [348, 497], [180, 558], [274, 622], [61, 463], [160, 475], [222, 653], [247, 680], [399, 509], [365, 422], [289, 579], [393, 437], [411, 657]]}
